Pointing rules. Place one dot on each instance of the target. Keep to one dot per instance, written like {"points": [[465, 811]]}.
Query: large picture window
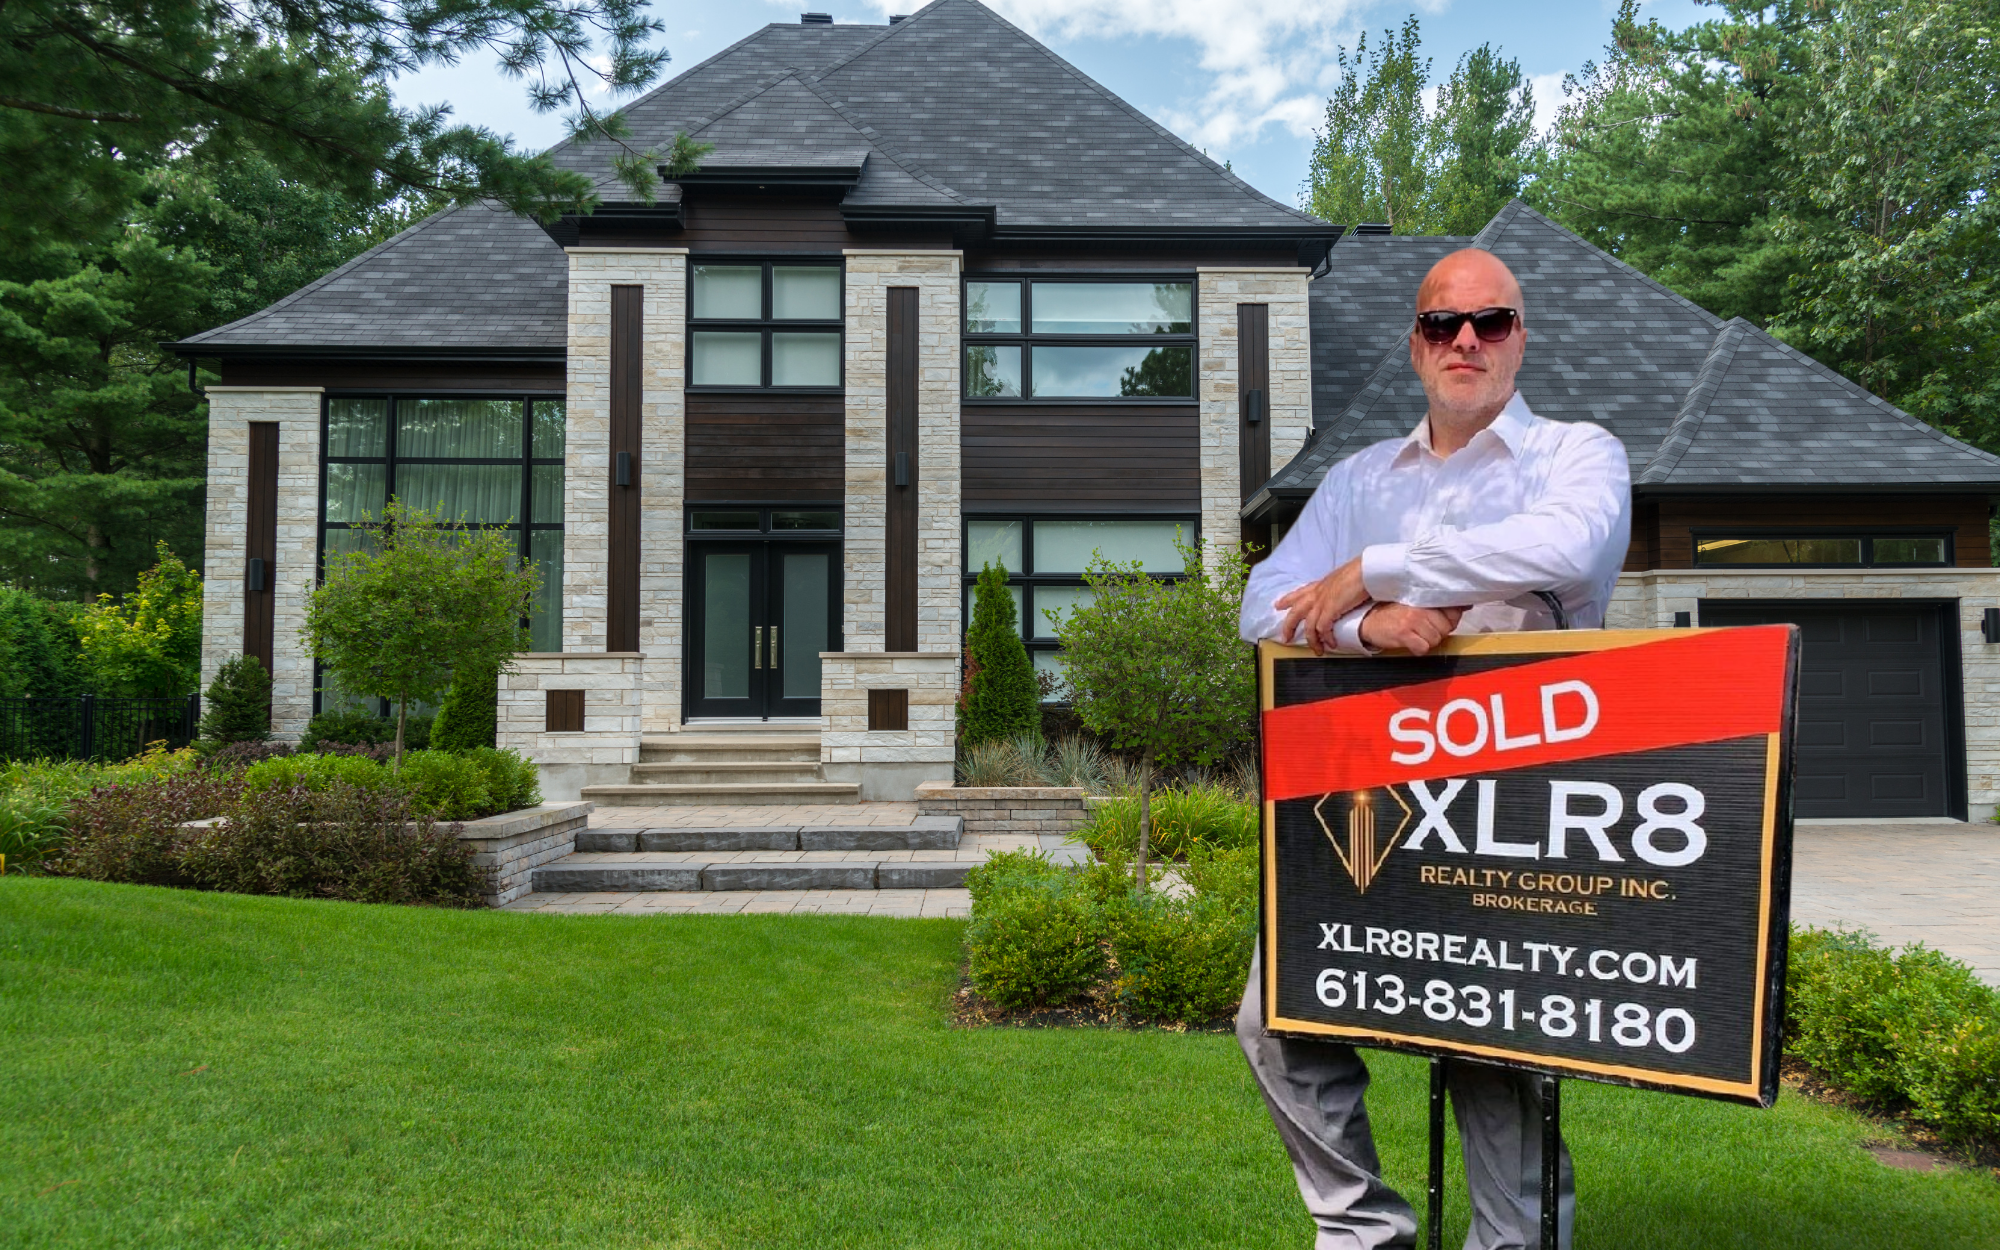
{"points": [[764, 324], [1822, 548], [474, 460], [1079, 339], [1045, 558]]}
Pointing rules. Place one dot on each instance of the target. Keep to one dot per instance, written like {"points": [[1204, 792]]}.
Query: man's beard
{"points": [[1458, 400]]}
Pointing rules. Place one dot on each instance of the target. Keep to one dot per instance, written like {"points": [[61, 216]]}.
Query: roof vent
{"points": [[898, 17], [815, 19], [1373, 227]]}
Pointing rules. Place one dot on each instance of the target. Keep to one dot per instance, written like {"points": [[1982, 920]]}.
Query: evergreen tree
{"points": [[1373, 161], [237, 707], [38, 652], [469, 717], [1484, 131], [1004, 700]]}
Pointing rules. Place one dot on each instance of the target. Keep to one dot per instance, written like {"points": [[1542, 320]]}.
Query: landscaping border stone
{"points": [[1006, 809], [514, 844]]}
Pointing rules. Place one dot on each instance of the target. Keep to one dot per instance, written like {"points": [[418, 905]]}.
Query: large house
{"points": [[935, 299]]}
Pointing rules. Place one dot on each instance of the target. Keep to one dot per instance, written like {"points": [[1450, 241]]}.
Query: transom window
{"points": [[1822, 548], [764, 324], [473, 460], [1045, 558], [1079, 339], [725, 520]]}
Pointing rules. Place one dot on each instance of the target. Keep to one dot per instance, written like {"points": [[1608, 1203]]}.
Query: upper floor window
{"points": [[768, 324], [1079, 339], [1822, 548]]}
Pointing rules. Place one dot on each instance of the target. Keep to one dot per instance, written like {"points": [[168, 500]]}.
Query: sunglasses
{"points": [[1490, 324]]}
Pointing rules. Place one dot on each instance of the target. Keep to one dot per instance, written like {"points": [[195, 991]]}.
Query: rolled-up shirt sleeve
{"points": [[1582, 512], [1305, 555]]}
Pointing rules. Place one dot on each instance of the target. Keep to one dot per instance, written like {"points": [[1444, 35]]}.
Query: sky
{"points": [[1244, 80]]}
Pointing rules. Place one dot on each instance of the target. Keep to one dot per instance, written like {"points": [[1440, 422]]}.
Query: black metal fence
{"points": [[90, 727]]}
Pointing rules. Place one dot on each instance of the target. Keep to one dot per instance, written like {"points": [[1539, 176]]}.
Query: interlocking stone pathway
{"points": [[1931, 882]]}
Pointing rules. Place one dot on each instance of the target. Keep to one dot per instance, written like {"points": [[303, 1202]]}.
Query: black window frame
{"points": [[764, 508], [1866, 533], [527, 526], [1027, 337], [767, 324], [1028, 579]]}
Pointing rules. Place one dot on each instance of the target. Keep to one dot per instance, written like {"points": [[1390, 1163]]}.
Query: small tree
{"points": [[150, 645], [1156, 667], [470, 715], [1004, 700], [239, 702], [397, 622]]}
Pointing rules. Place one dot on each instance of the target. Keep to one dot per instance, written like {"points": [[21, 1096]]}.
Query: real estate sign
{"points": [[1562, 851]]}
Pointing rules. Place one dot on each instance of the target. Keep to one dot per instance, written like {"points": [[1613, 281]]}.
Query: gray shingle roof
{"points": [[1699, 404], [463, 278]]}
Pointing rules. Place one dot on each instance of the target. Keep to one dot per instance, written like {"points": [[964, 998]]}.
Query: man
{"points": [[1485, 517]]}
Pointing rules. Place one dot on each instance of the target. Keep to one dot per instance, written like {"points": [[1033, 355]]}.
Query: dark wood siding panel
{"points": [[1253, 391], [1964, 515], [260, 543], [900, 588], [765, 224], [1644, 552], [1146, 258], [622, 559], [766, 447], [365, 375], [1082, 456]]}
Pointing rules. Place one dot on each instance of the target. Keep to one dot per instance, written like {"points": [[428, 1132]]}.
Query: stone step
{"points": [[695, 748], [926, 833], [725, 771], [565, 877], [766, 793]]}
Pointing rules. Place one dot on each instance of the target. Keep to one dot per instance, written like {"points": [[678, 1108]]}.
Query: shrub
{"points": [[1183, 818], [469, 717], [31, 829], [1040, 941], [345, 842], [512, 782], [1008, 870], [1229, 873], [1002, 698], [130, 832], [316, 773], [354, 728], [150, 644], [447, 786], [1182, 959], [238, 703], [1915, 1030], [243, 754]]}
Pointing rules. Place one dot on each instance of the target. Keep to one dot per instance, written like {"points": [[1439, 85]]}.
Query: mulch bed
{"points": [[1097, 1009]]}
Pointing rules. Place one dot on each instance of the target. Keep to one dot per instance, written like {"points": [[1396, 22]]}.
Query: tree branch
{"points": [[57, 110], [1616, 212]]}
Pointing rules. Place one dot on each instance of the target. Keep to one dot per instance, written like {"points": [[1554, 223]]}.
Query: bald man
{"points": [[1485, 517]]}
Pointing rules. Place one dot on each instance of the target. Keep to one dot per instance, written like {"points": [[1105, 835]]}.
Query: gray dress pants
{"points": [[1314, 1090]]}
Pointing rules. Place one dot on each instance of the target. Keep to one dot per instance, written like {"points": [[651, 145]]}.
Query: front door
{"points": [[760, 614]]}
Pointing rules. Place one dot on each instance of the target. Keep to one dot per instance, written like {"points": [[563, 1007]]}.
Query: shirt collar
{"points": [[1510, 427]]}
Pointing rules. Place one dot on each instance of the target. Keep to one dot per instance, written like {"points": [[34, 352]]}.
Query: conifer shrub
{"points": [[237, 707], [1002, 699], [468, 719]]}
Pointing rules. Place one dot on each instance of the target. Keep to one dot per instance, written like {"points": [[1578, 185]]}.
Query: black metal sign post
{"points": [[1566, 853]]}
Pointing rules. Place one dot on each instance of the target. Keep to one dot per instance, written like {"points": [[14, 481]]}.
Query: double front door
{"points": [[761, 613]]}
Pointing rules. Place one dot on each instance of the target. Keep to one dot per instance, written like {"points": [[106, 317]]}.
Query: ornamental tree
{"points": [[1156, 668], [397, 621], [150, 645], [1002, 698]]}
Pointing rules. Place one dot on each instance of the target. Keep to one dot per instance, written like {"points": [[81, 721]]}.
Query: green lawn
{"points": [[210, 1069]]}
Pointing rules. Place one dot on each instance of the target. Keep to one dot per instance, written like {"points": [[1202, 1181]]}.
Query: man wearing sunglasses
{"points": [[1484, 518]]}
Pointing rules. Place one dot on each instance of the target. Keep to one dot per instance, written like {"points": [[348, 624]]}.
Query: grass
{"points": [[201, 1069]]}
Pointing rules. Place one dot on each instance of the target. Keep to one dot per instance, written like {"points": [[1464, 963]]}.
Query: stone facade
{"points": [[889, 764], [514, 844], [295, 571], [869, 276], [1005, 809], [662, 470], [614, 686], [1649, 601], [1218, 292]]}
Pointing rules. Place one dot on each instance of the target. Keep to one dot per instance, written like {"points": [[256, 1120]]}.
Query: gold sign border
{"points": [[1550, 643]]}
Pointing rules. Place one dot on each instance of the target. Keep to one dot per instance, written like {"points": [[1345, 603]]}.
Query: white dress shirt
{"points": [[1528, 505]]}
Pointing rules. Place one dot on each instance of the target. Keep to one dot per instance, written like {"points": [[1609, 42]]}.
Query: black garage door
{"points": [[1875, 736]]}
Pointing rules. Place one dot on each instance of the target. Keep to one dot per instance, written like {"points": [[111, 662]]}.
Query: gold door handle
{"points": [[757, 648], [774, 646]]}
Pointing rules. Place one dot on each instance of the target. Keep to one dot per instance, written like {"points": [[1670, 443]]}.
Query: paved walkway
{"points": [[742, 815], [1935, 883], [908, 904]]}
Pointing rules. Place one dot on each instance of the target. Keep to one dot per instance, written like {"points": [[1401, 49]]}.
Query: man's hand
{"points": [[1317, 605], [1399, 627]]}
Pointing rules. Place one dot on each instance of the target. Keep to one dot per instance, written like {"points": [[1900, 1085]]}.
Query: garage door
{"points": [[1872, 737]]}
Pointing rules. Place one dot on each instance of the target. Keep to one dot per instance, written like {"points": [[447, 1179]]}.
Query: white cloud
{"points": [[1548, 90]]}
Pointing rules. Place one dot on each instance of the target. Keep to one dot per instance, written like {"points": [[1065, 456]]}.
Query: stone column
{"points": [[296, 412], [869, 276], [593, 271], [1218, 292]]}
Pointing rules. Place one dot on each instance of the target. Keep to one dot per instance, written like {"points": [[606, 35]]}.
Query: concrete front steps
{"points": [[754, 763], [762, 857]]}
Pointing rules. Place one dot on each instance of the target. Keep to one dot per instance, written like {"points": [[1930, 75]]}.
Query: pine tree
{"points": [[469, 717], [1005, 699], [238, 702]]}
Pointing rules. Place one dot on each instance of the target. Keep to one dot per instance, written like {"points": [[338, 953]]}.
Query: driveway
{"points": [[1935, 882]]}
